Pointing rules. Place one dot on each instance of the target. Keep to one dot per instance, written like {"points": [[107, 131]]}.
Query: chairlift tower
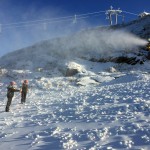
{"points": [[0, 28], [111, 12], [75, 19], [45, 26]]}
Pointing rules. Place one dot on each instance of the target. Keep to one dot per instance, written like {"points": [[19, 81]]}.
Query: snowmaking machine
{"points": [[148, 45]]}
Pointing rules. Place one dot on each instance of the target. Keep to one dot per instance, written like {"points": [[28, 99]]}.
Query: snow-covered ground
{"points": [[96, 110]]}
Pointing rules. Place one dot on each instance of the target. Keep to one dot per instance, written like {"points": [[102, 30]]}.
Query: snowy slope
{"points": [[98, 42], [113, 114], [104, 106]]}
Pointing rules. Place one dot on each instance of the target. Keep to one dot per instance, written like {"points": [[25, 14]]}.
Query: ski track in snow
{"points": [[105, 116]]}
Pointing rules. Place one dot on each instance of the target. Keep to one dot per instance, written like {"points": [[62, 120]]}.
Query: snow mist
{"points": [[105, 41]]}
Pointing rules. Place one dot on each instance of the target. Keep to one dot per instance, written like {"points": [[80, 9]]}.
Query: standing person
{"points": [[24, 90], [10, 94]]}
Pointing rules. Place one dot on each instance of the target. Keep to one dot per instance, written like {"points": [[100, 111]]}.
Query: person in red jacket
{"points": [[24, 91], [10, 94]]}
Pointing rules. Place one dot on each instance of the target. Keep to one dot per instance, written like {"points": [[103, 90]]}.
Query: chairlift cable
{"points": [[43, 20]]}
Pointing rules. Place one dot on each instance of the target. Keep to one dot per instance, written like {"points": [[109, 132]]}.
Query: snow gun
{"points": [[148, 45]]}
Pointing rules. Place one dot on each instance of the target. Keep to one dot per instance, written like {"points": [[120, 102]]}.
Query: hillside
{"points": [[99, 42], [80, 97]]}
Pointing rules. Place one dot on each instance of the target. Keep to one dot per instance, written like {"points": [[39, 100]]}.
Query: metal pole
{"points": [[123, 19], [110, 18], [0, 28], [116, 18]]}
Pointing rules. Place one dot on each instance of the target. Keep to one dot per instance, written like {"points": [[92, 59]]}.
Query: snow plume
{"points": [[120, 39], [104, 41], [94, 42]]}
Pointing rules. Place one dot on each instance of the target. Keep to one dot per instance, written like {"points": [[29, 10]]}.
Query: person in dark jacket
{"points": [[24, 91], [10, 94]]}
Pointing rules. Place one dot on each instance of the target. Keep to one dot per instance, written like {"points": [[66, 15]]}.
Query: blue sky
{"points": [[15, 11]]}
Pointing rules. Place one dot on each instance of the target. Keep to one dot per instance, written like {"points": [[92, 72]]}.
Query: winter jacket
{"points": [[24, 88], [11, 90]]}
